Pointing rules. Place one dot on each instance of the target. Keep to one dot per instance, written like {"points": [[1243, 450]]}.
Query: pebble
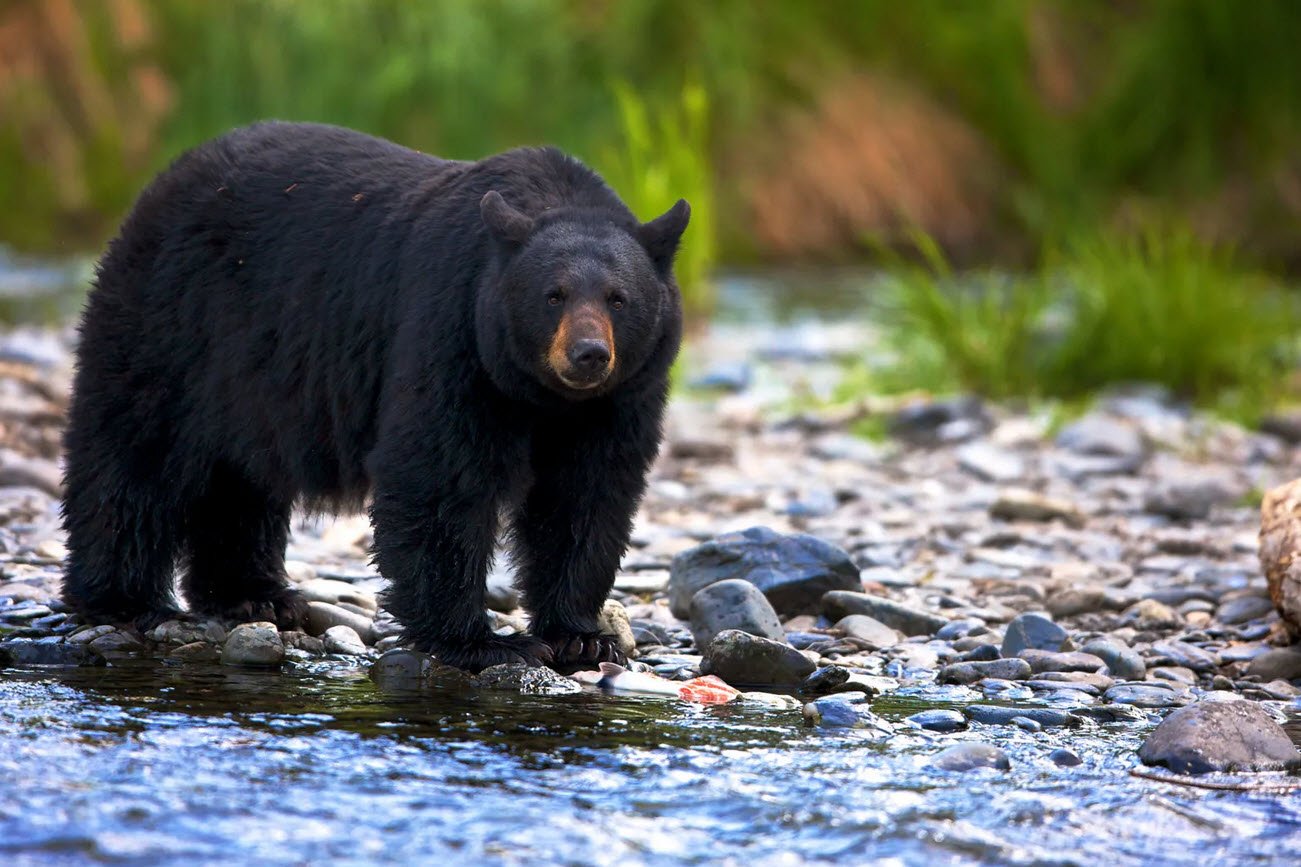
{"points": [[870, 630], [992, 714], [939, 720], [838, 604], [1243, 608], [1102, 435], [1220, 736], [1046, 661], [1144, 695], [971, 756], [334, 592], [793, 571], [741, 659], [253, 644], [733, 604], [1022, 505], [1189, 656], [1032, 631], [344, 640], [989, 462], [970, 672], [1123, 663], [1283, 663], [1064, 758], [323, 615], [196, 651]]}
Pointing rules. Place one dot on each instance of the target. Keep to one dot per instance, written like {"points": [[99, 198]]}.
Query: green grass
{"points": [[1158, 307]]}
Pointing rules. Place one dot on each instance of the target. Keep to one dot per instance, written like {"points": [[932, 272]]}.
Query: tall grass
{"points": [[1159, 307]]}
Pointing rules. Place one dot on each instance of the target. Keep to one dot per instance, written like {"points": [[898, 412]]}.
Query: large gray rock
{"points": [[253, 644], [1282, 663], [839, 604], [1220, 736], [742, 659], [733, 604], [792, 571], [1032, 631]]}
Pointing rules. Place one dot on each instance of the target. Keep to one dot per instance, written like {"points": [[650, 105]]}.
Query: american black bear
{"points": [[303, 313]]}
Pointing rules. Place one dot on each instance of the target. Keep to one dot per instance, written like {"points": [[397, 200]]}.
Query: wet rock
{"points": [[1189, 497], [253, 644], [613, 620], [992, 714], [1032, 631], [1064, 758], [989, 462], [1283, 663], [971, 756], [792, 571], [839, 604], [526, 680], [323, 615], [840, 711], [344, 640], [187, 632], [1145, 695], [402, 668], [196, 651], [116, 643], [1043, 661], [1098, 434], [733, 604], [1111, 713], [825, 680], [868, 629], [1189, 656], [1241, 609], [309, 644], [980, 652], [1021, 505], [939, 720], [747, 660], [970, 672], [1220, 736], [25, 651], [1026, 724]]}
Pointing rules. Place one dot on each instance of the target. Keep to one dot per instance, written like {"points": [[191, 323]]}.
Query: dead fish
{"points": [[701, 690]]}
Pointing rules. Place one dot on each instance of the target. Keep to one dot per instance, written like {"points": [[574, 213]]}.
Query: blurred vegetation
{"points": [[1154, 307]]}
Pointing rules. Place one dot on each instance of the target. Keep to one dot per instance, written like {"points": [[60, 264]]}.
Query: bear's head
{"points": [[583, 297]]}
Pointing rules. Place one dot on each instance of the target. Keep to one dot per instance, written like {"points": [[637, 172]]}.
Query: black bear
{"points": [[298, 313]]}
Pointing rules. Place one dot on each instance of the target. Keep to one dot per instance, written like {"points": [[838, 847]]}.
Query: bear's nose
{"points": [[589, 356]]}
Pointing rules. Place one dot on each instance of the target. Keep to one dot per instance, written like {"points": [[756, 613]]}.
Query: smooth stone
{"points": [[253, 644], [1188, 498], [1123, 663], [116, 642], [403, 668], [1189, 656], [793, 571], [981, 653], [344, 640], [939, 720], [322, 615], [1062, 686], [1100, 682], [1098, 434], [187, 632], [1111, 713], [1032, 631], [1026, 724], [837, 712], [969, 672], [90, 633], [1064, 758], [1144, 695], [526, 680], [1283, 663], [870, 630], [733, 604], [334, 592], [1077, 600], [613, 620], [839, 604], [196, 651], [989, 462], [992, 714], [1243, 608], [1220, 736], [1150, 614], [25, 651], [742, 659], [308, 644], [1021, 505], [958, 629], [1042, 661], [971, 756]]}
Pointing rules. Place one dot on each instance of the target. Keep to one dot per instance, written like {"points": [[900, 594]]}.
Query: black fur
{"points": [[301, 313]]}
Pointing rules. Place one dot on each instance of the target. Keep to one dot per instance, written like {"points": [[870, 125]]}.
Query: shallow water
{"points": [[146, 763]]}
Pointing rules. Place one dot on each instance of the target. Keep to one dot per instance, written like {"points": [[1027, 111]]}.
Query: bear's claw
{"points": [[585, 651], [287, 610]]}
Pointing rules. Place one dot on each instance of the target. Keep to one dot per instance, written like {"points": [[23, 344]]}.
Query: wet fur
{"points": [[303, 314]]}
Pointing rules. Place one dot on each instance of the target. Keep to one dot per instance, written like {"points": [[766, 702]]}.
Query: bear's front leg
{"points": [[574, 524], [434, 514]]}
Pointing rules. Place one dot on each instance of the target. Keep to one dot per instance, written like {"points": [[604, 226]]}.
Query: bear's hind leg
{"points": [[235, 550], [122, 542]]}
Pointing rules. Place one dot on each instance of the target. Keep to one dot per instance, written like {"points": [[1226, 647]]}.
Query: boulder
{"points": [[742, 659], [1220, 736]]}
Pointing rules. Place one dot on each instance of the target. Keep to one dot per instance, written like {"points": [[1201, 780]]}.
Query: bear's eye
{"points": [[554, 299], [617, 302]]}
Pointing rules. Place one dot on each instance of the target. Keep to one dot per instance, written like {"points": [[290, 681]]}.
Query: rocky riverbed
{"points": [[994, 585]]}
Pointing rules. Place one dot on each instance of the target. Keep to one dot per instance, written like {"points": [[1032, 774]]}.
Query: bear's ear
{"points": [[506, 224], [661, 235]]}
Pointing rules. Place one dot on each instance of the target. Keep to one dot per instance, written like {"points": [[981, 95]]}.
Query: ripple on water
{"points": [[150, 764]]}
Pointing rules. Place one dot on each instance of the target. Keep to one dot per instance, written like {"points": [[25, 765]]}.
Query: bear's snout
{"points": [[582, 350]]}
